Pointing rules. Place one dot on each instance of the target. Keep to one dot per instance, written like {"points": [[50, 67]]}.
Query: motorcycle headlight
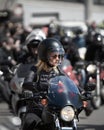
{"points": [[67, 113], [91, 68]]}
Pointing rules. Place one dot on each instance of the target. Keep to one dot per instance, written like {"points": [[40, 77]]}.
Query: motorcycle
{"points": [[60, 106], [95, 75], [102, 81], [18, 105], [78, 75], [16, 82], [5, 76]]}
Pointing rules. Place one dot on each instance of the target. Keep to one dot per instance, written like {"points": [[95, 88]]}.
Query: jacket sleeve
{"points": [[30, 79]]}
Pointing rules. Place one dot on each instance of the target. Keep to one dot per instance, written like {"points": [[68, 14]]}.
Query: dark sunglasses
{"points": [[55, 56]]}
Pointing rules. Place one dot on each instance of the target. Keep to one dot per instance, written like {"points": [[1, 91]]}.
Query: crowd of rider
{"points": [[13, 44], [19, 44]]}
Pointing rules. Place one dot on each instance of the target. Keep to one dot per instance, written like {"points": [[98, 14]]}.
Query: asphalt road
{"points": [[7, 120], [94, 122]]}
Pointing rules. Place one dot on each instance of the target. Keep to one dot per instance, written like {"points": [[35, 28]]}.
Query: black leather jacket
{"points": [[41, 78], [95, 53]]}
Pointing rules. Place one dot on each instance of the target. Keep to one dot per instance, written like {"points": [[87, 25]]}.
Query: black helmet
{"points": [[98, 39], [34, 38], [66, 41], [49, 45], [52, 31]]}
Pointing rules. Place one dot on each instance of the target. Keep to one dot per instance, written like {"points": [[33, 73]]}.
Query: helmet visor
{"points": [[33, 44]]}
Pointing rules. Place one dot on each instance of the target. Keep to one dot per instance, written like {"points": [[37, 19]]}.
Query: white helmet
{"points": [[35, 37]]}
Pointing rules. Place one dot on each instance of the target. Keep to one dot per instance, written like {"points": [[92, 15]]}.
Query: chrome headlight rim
{"points": [[91, 68], [67, 113]]}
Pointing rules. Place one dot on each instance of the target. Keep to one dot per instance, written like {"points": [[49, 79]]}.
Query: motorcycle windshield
{"points": [[62, 92]]}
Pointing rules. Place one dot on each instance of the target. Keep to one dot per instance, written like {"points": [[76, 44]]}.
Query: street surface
{"points": [[7, 120], [94, 122]]}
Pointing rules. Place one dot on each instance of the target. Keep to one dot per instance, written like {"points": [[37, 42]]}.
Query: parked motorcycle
{"points": [[19, 105], [60, 106], [102, 81]]}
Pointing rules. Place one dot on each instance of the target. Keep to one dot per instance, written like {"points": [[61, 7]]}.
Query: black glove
{"points": [[30, 86]]}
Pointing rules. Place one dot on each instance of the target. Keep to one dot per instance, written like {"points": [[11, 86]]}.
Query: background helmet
{"points": [[52, 29], [98, 39], [66, 41], [47, 46], [34, 38]]}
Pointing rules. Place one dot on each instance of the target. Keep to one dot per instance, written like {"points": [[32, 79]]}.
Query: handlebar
{"points": [[29, 95]]}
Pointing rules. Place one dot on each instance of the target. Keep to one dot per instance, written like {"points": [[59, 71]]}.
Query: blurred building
{"points": [[43, 11]]}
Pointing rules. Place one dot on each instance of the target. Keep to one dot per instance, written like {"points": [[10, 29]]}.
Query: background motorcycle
{"points": [[18, 105], [95, 75], [5, 77]]}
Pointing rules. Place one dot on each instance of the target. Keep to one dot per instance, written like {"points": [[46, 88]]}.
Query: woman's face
{"points": [[55, 58]]}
